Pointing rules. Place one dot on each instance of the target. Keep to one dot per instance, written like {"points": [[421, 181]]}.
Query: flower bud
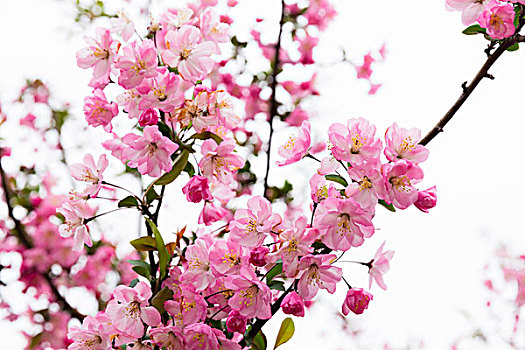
{"points": [[148, 117], [356, 301], [293, 304], [426, 199], [258, 256], [197, 189], [236, 322]]}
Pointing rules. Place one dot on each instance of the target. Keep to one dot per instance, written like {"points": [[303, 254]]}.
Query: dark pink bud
{"points": [[426, 199], [293, 304], [258, 256], [356, 301], [236, 322], [197, 189], [148, 117]]}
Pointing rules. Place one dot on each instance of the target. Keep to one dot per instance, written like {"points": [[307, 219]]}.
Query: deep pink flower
{"points": [[404, 144], [136, 63], [74, 215], [356, 301], [294, 244], [236, 322], [197, 189], [149, 117], [186, 52], [212, 213], [365, 70], [354, 143], [498, 19], [297, 147], [149, 153], [90, 172], [219, 160], [258, 256], [99, 111], [293, 304], [230, 258], [380, 265], [317, 272], [426, 199], [399, 179]]}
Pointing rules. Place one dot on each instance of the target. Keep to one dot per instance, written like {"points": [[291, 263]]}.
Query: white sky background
{"points": [[476, 163]]}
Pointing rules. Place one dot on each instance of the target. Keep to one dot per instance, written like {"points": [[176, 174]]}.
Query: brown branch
{"points": [[26, 241], [273, 102]]}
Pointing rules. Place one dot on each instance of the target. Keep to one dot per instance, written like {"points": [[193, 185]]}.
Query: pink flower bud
{"points": [[293, 304], [426, 199], [236, 322], [258, 256], [197, 189], [148, 117], [356, 301]]}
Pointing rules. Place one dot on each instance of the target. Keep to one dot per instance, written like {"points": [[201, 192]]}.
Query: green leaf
{"points": [[474, 29], [141, 270], [514, 47], [133, 282], [189, 169], [259, 341], [285, 332], [128, 202], [388, 206], [144, 244], [151, 195], [159, 299], [139, 263], [164, 129], [337, 178], [207, 135], [276, 270], [164, 256], [277, 285], [180, 163]]}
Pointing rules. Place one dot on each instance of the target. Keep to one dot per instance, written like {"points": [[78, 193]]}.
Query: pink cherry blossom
{"points": [[317, 272], [228, 257], [328, 165], [236, 322], [149, 153], [186, 52], [293, 304], [122, 25], [136, 63], [149, 117], [251, 298], [498, 19], [471, 9], [212, 28], [380, 265], [200, 336], [219, 160], [343, 223], [198, 272], [404, 144], [297, 147], [212, 213], [169, 338], [99, 111], [294, 244], [74, 215], [197, 189], [130, 100], [367, 186], [354, 143], [92, 335], [130, 308], [90, 172], [258, 256], [426, 199], [187, 307], [162, 92], [356, 301], [399, 180], [99, 54]]}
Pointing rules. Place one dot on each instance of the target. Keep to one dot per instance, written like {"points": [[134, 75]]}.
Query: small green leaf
{"points": [[151, 195], [139, 263], [141, 270], [514, 47], [133, 282], [164, 129], [474, 29], [285, 332], [144, 244], [164, 256], [189, 169], [207, 135], [337, 178], [388, 206], [180, 163], [128, 202], [259, 341], [276, 270], [159, 299], [277, 285]]}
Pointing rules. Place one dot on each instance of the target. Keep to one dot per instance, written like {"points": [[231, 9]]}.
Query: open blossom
{"points": [[187, 307], [356, 301], [219, 160], [197, 189], [90, 172], [498, 19], [250, 226], [162, 91], [296, 147], [228, 257], [169, 338], [200, 336], [380, 265], [74, 215], [293, 304], [404, 144], [99, 111], [317, 272], [136, 63], [122, 25], [92, 336], [354, 143], [471, 9], [343, 223], [367, 186], [399, 179], [426, 199], [99, 54], [198, 272], [186, 52], [251, 298], [130, 308], [149, 153], [212, 28]]}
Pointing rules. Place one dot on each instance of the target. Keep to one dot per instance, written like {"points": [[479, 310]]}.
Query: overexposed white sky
{"points": [[476, 163]]}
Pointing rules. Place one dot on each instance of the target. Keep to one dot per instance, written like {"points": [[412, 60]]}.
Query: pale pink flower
{"points": [[380, 265], [99, 54], [197, 189], [367, 185], [198, 272], [297, 147], [169, 338], [399, 179], [220, 105], [426, 199], [317, 272], [320, 189], [250, 226], [187, 307], [471, 9], [136, 63], [162, 92], [129, 309], [297, 117], [130, 100], [328, 165], [354, 143], [186, 52], [122, 25], [294, 244], [230, 258], [293, 304], [251, 298], [195, 113], [200, 336], [213, 29], [149, 153], [343, 223], [99, 111], [402, 143], [356, 301], [219, 160], [90, 172], [92, 336], [498, 19], [74, 215]]}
